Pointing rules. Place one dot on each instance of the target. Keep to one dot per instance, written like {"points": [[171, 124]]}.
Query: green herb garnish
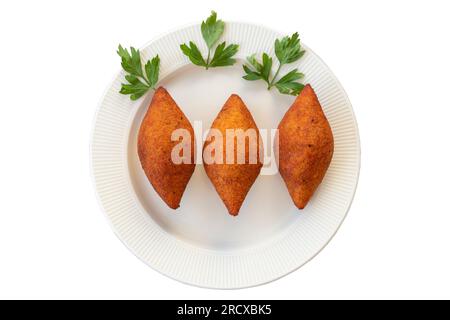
{"points": [[140, 80], [212, 30], [287, 50]]}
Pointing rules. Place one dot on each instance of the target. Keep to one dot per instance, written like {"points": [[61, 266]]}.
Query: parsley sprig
{"points": [[212, 29], [139, 79], [287, 50]]}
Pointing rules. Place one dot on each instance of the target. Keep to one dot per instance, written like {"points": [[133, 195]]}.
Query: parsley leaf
{"points": [[292, 88], [254, 62], [222, 55], [212, 29], [266, 66], [250, 74], [287, 50], [194, 54], [152, 71], [139, 79]]}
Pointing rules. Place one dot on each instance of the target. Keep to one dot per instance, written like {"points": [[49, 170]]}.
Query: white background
{"points": [[393, 59]]}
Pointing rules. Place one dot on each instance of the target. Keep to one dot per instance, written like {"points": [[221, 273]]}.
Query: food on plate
{"points": [[287, 50], [233, 171], [155, 146], [305, 146]]}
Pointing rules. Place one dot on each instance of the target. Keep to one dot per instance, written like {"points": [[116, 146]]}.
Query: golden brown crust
{"points": [[305, 146], [233, 181], [155, 147]]}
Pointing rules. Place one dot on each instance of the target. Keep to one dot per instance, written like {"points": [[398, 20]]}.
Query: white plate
{"points": [[199, 243]]}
